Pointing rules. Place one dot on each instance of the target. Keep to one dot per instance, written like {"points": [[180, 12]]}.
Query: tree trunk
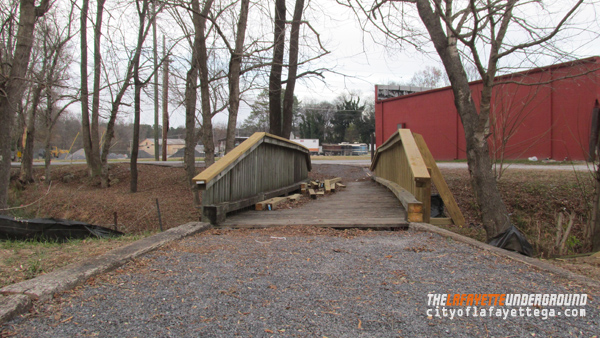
{"points": [[235, 65], [85, 105], [155, 60], [191, 97], [136, 132], [12, 88], [165, 106], [47, 156], [94, 132], [493, 210], [207, 130], [137, 101], [110, 129], [276, 69], [288, 99], [26, 174]]}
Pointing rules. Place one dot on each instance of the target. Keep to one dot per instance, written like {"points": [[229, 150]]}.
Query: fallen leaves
{"points": [[418, 249]]}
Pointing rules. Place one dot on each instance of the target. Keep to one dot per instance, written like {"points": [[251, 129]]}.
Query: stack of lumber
{"points": [[316, 188], [273, 203], [312, 188]]}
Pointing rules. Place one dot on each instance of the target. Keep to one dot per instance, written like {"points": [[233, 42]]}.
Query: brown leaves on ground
{"points": [[75, 196], [533, 198], [418, 249]]}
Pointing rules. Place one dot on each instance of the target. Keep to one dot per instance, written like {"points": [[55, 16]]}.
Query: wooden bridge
{"points": [[266, 166]]}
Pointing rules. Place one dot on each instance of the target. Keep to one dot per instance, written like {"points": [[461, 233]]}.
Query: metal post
{"points": [[372, 146]]}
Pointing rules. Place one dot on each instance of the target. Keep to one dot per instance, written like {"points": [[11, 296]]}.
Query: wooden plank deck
{"points": [[360, 205]]}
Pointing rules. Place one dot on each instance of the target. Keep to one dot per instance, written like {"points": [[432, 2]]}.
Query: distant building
{"points": [[389, 91], [311, 144], [345, 149], [543, 112], [173, 145]]}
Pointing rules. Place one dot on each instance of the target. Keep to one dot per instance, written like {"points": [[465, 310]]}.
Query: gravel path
{"points": [[301, 282]]}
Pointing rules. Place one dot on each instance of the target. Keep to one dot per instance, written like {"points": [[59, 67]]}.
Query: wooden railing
{"points": [[262, 167], [405, 165], [398, 164]]}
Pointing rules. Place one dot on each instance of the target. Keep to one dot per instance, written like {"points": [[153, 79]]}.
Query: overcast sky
{"points": [[356, 62]]}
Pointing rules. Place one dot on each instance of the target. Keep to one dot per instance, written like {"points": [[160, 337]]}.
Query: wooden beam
{"points": [[216, 214], [413, 207], [274, 202], [294, 197], [414, 157], [441, 221], [327, 186], [269, 204], [312, 193], [440, 183]]}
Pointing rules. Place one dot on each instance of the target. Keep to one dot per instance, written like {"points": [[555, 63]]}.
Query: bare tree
{"points": [[288, 97], [165, 101], [198, 68], [276, 70], [473, 31], [91, 142], [203, 73], [50, 78], [117, 99], [11, 86], [430, 77], [26, 173], [235, 64], [142, 7]]}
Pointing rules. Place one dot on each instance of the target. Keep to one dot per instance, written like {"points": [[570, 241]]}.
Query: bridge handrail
{"points": [[261, 166], [399, 160]]}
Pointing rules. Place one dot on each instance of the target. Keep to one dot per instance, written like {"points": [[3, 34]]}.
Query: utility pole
{"points": [[155, 50], [165, 101]]}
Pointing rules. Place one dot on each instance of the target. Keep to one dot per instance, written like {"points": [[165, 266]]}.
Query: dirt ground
{"points": [[73, 195], [533, 199]]}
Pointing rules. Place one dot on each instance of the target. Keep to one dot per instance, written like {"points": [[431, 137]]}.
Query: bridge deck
{"points": [[362, 204]]}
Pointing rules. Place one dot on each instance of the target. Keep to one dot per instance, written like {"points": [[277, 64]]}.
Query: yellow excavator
{"points": [[55, 152]]}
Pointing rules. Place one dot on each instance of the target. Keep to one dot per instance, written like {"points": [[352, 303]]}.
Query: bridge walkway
{"points": [[362, 204]]}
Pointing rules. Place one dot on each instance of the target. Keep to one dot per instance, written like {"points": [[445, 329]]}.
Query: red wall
{"points": [[546, 113]]}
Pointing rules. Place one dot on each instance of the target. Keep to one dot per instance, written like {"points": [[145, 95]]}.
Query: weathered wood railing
{"points": [[262, 167], [398, 164]]}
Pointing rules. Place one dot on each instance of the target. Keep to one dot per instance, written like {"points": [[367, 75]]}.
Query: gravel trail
{"points": [[302, 282]]}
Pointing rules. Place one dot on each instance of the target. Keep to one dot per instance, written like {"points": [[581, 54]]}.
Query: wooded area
{"points": [[209, 48]]}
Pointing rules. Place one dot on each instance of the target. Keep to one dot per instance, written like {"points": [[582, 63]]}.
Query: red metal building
{"points": [[544, 112]]}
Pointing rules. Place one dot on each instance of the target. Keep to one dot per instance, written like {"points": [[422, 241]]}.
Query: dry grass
{"points": [[533, 199], [21, 260], [74, 196]]}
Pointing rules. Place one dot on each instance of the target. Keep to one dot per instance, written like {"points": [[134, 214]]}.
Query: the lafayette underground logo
{"points": [[503, 305]]}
